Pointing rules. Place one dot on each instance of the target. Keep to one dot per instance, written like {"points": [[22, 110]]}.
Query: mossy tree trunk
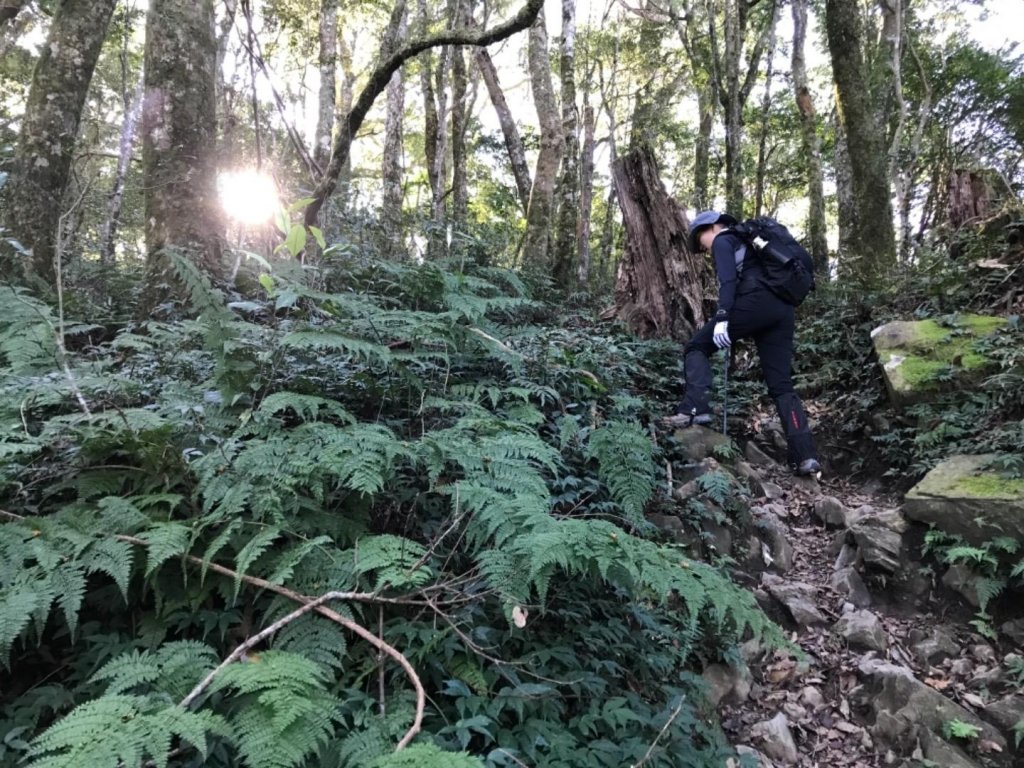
{"points": [[565, 263], [179, 141], [872, 237], [34, 200], [327, 96], [391, 167], [539, 218]]}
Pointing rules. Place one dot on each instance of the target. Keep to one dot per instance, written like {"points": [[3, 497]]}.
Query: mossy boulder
{"points": [[921, 358], [963, 496]]}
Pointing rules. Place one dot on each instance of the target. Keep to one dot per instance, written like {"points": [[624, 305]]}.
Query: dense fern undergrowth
{"points": [[422, 452]]}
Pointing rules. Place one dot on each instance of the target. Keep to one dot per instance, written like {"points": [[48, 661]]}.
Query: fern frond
{"points": [[625, 458], [120, 730], [329, 339], [426, 756], [988, 589], [113, 558], [287, 714], [394, 559], [68, 582], [255, 547], [306, 407], [164, 541], [315, 638]]}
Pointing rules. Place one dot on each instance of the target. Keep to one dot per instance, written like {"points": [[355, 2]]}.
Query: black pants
{"points": [[768, 320]]}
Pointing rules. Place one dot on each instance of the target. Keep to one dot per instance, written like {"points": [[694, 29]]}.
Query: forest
{"points": [[336, 343]]}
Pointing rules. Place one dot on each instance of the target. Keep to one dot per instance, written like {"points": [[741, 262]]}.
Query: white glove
{"points": [[721, 336]]}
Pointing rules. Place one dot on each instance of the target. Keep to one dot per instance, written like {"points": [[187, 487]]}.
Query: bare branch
{"points": [[380, 77]]}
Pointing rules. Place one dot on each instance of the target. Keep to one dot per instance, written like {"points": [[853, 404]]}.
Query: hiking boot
{"points": [[808, 467], [683, 420]]}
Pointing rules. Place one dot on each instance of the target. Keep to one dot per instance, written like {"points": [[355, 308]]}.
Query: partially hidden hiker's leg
{"points": [[697, 370], [775, 348]]}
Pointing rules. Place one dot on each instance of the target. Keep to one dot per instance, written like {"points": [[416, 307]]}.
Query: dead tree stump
{"points": [[662, 290]]}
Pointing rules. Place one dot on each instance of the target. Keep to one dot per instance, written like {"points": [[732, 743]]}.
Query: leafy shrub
{"points": [[473, 485]]}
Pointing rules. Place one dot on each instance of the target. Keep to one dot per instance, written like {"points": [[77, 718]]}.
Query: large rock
{"points": [[862, 629], [879, 547], [797, 597], [699, 443], [902, 702], [922, 358], [960, 496], [934, 648], [847, 582], [776, 739]]}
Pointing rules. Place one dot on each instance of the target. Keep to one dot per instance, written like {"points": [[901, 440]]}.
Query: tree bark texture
{"points": [[116, 196], [49, 129], [586, 196], [327, 97], [872, 237], [969, 198], [179, 136], [662, 290], [540, 215], [565, 265], [460, 116], [513, 141], [761, 174], [646, 107], [816, 228], [381, 75], [392, 167]]}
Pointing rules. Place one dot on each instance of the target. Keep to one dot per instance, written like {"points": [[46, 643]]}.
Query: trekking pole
{"points": [[725, 393]]}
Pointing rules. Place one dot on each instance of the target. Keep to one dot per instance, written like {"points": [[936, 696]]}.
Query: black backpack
{"points": [[788, 267]]}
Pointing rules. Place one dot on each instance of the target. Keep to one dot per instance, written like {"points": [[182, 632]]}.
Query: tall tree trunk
{"points": [[460, 113], [179, 139], [116, 197], [327, 98], [646, 109], [766, 111], [872, 235], [661, 288], [513, 142], [392, 168], [704, 75], [586, 195], [733, 85], [608, 101], [565, 271], [816, 231], [844, 192], [49, 129], [536, 243], [347, 94]]}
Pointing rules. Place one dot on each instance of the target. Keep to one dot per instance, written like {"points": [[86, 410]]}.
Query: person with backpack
{"points": [[762, 274]]}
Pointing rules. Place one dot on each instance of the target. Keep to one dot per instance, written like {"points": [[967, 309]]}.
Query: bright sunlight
{"points": [[248, 196]]}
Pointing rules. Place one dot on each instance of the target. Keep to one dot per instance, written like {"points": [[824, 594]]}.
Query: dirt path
{"points": [[889, 661]]}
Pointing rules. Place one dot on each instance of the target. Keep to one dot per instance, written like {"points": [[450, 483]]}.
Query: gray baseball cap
{"points": [[705, 219]]}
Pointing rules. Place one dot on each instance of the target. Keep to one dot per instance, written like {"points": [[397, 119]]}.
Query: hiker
{"points": [[746, 309]]}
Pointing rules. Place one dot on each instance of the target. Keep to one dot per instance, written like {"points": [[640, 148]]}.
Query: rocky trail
{"points": [[891, 672]]}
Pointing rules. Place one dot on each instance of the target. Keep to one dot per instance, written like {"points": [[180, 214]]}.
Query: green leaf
{"points": [[295, 242], [318, 235], [267, 282]]}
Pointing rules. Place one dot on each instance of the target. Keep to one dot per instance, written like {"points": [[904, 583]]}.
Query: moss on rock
{"points": [[927, 356]]}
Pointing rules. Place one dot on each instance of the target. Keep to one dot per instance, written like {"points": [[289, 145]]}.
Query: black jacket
{"points": [[738, 268]]}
